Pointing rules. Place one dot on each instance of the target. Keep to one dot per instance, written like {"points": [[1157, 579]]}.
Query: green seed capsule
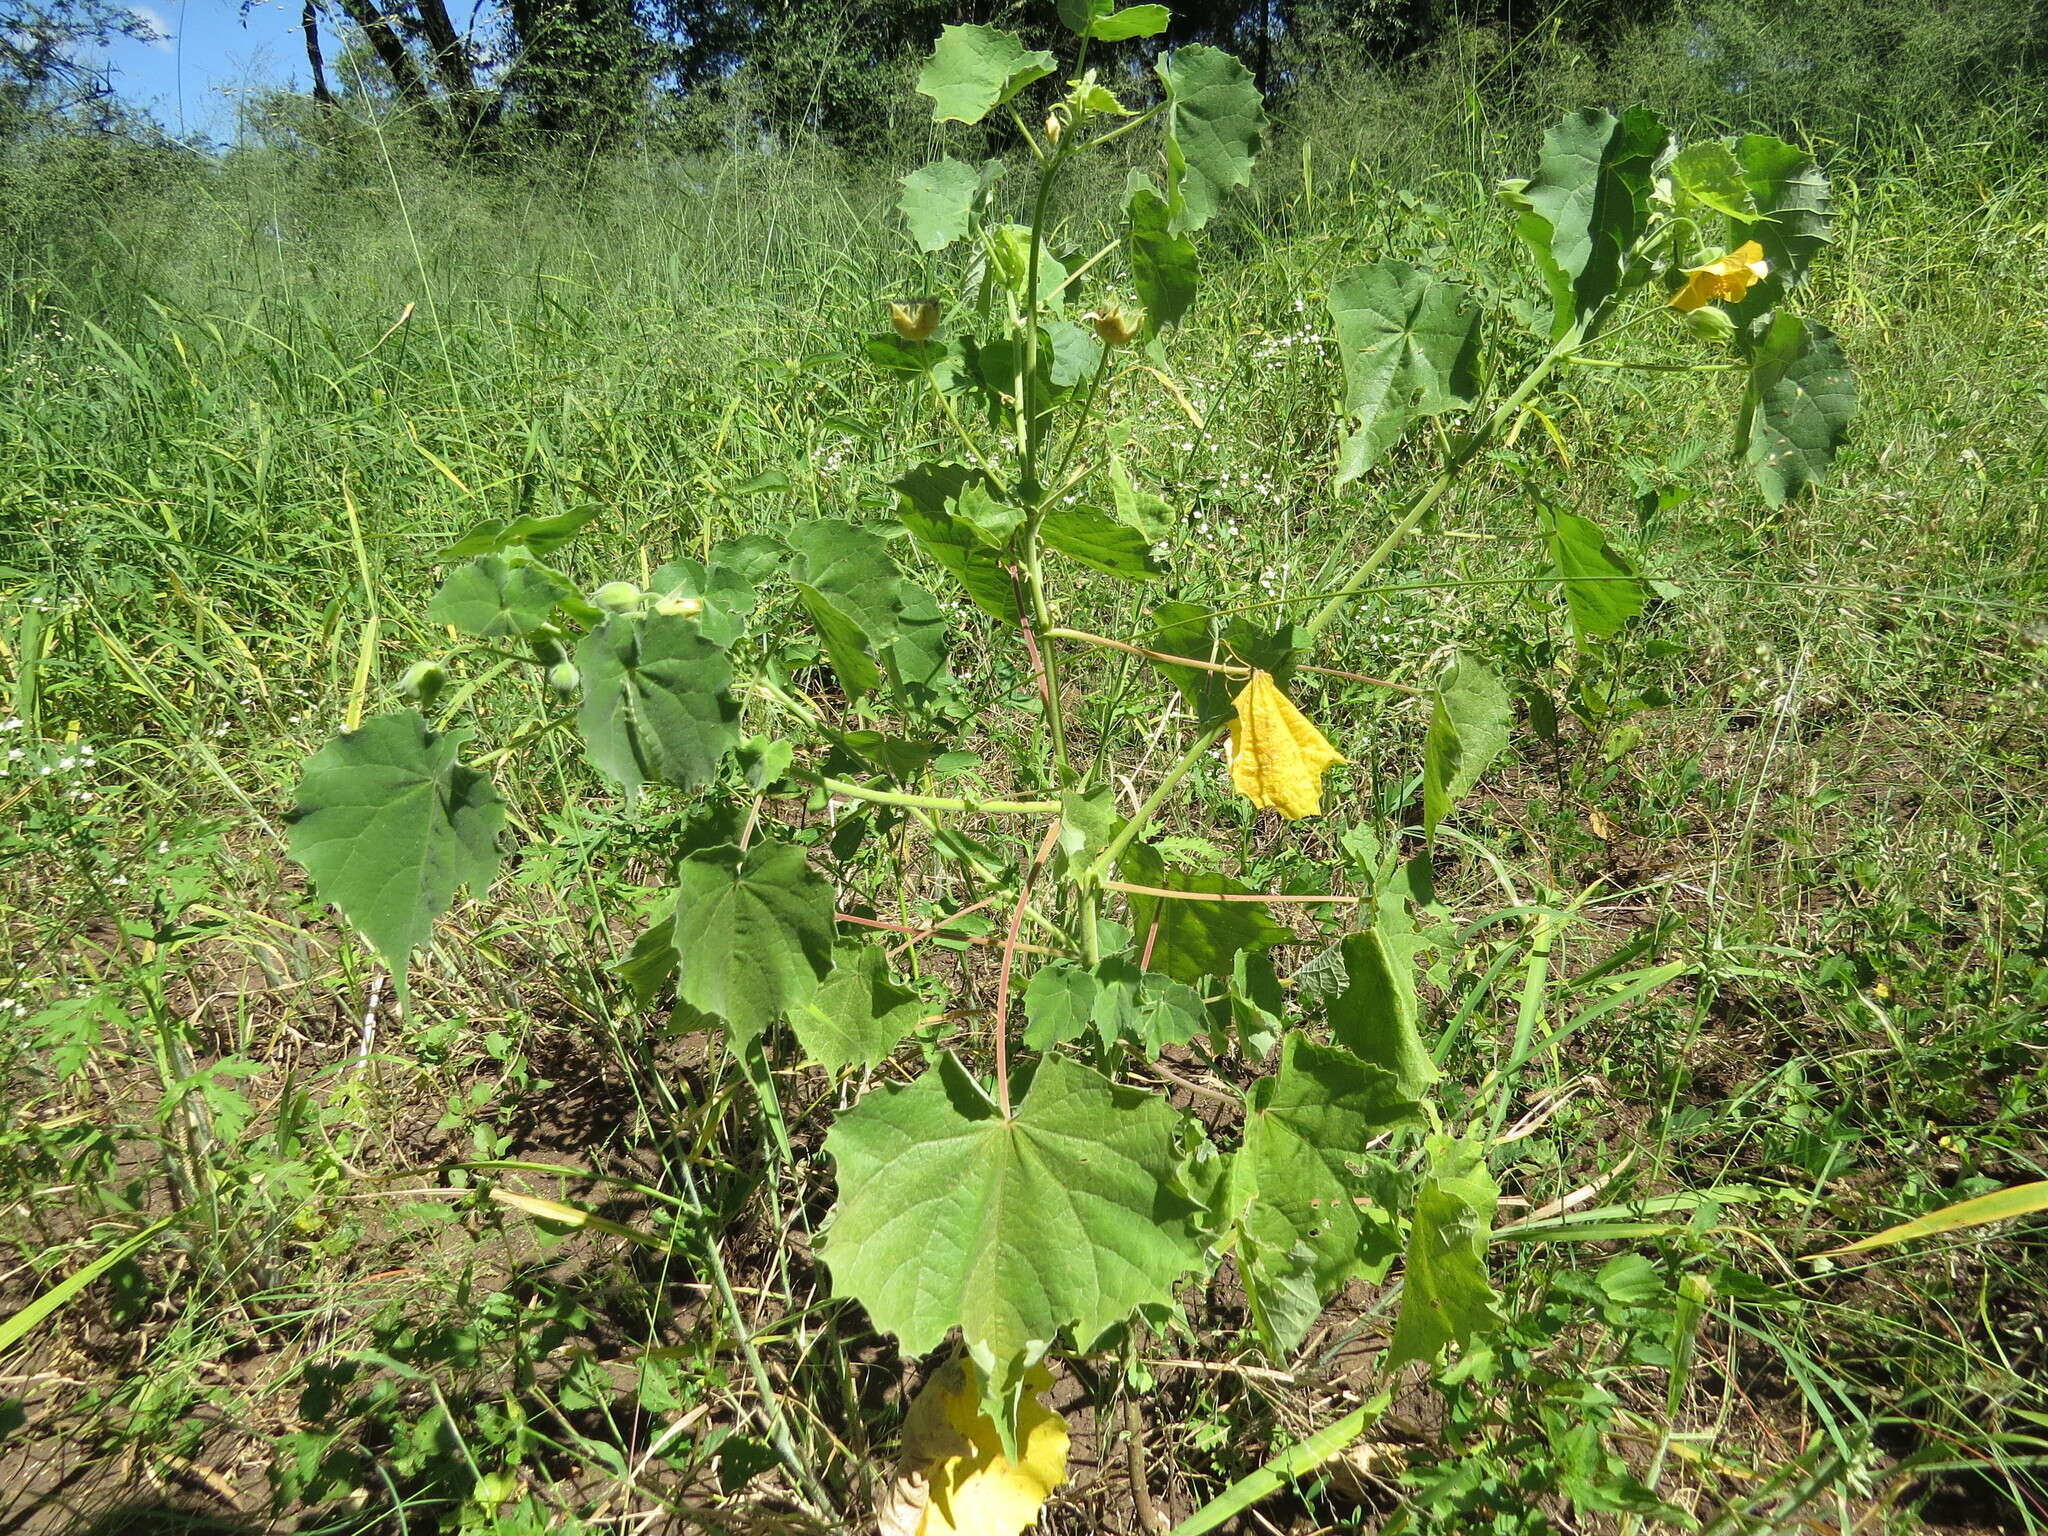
{"points": [[1711, 323], [423, 682], [617, 597], [565, 680]]}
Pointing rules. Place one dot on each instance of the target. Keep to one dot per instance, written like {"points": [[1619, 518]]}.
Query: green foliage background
{"points": [[246, 396]]}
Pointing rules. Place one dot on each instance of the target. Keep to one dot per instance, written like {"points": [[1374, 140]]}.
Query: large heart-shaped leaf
{"points": [[1445, 1295], [389, 825], [1373, 1015], [1096, 539], [1797, 407], [1468, 727], [495, 598], [1214, 119], [1193, 939], [975, 69], [1587, 205], [656, 701], [938, 202], [727, 596], [1063, 1215], [1163, 265], [1302, 1204], [1602, 591], [930, 496], [753, 933], [858, 1015], [1791, 196], [1409, 343]]}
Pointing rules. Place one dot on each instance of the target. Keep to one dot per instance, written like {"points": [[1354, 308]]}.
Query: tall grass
{"points": [[240, 415]]}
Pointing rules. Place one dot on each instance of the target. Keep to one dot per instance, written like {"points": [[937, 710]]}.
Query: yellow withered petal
{"points": [[1277, 758], [1729, 278], [953, 1479]]}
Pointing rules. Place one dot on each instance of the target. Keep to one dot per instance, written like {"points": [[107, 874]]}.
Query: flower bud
{"points": [[564, 680], [423, 682], [1711, 323], [679, 607], [1053, 126], [617, 597], [915, 319], [1116, 328]]}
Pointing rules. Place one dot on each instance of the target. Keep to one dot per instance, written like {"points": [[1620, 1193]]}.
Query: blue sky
{"points": [[210, 51]]}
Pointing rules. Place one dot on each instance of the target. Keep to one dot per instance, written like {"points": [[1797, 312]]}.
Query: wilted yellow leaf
{"points": [[1277, 758], [1729, 278], [952, 1478]]}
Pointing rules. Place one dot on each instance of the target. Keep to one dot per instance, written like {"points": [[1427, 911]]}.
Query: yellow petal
{"points": [[1277, 758], [953, 1479], [1728, 278]]}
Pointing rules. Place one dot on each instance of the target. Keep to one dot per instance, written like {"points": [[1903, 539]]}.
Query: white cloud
{"points": [[157, 24]]}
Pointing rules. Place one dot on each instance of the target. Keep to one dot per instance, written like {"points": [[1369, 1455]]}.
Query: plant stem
{"points": [[1463, 455]]}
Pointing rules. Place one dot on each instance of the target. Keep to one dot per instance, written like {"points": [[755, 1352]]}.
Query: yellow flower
{"points": [[1277, 758], [1116, 328], [953, 1479], [915, 319], [1729, 278]]}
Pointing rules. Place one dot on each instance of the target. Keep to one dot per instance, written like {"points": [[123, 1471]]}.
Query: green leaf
{"points": [[1100, 19], [1137, 507], [1076, 353], [1065, 1215], [951, 541], [1410, 347], [389, 826], [542, 535], [1059, 1005], [753, 933], [1374, 1015], [1797, 406], [1791, 198], [1096, 539], [1999, 1205], [1164, 269], [1214, 118], [858, 1015], [853, 567], [1186, 629], [1296, 1187], [727, 595], [752, 557], [1088, 823], [495, 598], [993, 520], [1191, 940], [656, 702], [1445, 1295], [1131, 21], [1709, 175], [1144, 1008], [845, 643], [651, 963], [974, 69], [1468, 727], [1588, 204], [938, 202], [1602, 590]]}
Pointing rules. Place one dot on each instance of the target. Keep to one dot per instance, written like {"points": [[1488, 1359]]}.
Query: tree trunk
{"points": [[311, 22], [390, 50]]}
